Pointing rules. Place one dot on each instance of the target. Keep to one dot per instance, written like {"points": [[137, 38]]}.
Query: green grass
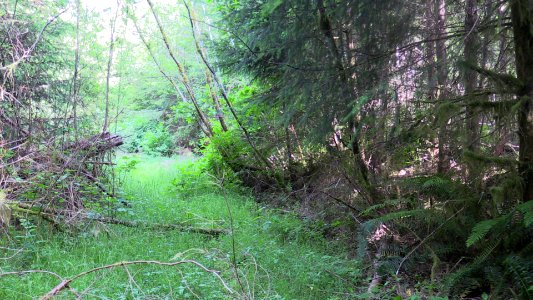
{"points": [[277, 256]]}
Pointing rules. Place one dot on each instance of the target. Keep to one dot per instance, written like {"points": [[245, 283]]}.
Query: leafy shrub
{"points": [[152, 138], [226, 153], [158, 140]]}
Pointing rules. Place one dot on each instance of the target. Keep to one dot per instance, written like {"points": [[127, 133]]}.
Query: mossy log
{"points": [[54, 217]]}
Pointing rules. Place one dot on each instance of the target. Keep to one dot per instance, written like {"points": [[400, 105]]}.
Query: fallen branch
{"points": [[50, 216], [66, 282], [158, 226], [45, 216]]}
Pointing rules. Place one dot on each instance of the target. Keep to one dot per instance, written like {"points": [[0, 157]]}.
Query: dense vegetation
{"points": [[267, 149]]}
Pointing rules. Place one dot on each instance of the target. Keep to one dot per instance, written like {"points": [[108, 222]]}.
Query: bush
{"points": [[226, 154], [158, 140], [152, 138]]}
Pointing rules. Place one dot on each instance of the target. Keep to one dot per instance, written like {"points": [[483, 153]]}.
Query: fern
{"points": [[460, 274], [386, 203], [527, 209], [520, 270], [402, 214], [481, 229]]}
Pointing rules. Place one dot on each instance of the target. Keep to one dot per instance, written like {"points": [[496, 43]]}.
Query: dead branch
{"points": [[96, 144], [51, 215], [159, 226], [66, 282]]}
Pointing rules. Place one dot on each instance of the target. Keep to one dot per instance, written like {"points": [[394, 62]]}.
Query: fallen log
{"points": [[47, 217], [159, 226], [52, 215]]}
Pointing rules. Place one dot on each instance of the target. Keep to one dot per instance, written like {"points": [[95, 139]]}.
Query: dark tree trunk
{"points": [[471, 46], [442, 80], [470, 76], [522, 20]]}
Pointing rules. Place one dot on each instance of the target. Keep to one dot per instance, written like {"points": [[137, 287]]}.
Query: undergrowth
{"points": [[277, 257]]}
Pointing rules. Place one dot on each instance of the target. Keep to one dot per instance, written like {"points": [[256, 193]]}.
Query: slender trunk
{"points": [[218, 81], [216, 102], [471, 46], [208, 76], [442, 81], [430, 48], [292, 129], [75, 84], [178, 91], [290, 163], [109, 64], [183, 73], [522, 20], [347, 82]]}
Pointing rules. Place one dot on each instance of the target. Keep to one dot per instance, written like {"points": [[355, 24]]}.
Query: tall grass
{"points": [[276, 255]]}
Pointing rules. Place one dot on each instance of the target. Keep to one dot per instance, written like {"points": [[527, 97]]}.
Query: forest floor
{"points": [[276, 254]]}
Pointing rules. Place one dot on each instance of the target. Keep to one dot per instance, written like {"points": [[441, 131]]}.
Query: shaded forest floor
{"points": [[277, 255]]}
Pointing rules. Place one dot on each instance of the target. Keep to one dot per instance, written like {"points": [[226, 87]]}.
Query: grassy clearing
{"points": [[277, 256]]}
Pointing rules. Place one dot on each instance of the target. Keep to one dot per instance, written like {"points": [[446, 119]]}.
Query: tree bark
{"points": [[75, 83], [218, 81], [197, 108], [183, 73], [522, 21], [471, 46], [109, 64], [442, 81]]}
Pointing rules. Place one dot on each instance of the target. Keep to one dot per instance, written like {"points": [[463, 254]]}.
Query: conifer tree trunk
{"points": [[430, 48], [471, 46], [522, 20], [442, 80], [471, 43]]}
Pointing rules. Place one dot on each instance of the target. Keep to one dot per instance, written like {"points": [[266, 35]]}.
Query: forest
{"points": [[266, 149]]}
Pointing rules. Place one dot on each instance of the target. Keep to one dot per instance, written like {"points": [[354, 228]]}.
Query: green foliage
{"points": [[277, 255], [527, 210], [192, 178], [286, 49], [149, 136], [225, 153], [520, 270], [481, 229], [157, 140]]}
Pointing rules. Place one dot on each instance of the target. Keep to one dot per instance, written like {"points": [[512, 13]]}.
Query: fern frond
{"points": [[520, 270], [386, 203], [527, 209], [481, 229], [460, 274], [403, 214]]}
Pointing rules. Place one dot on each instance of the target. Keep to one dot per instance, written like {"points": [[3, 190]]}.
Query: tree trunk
{"points": [[442, 81], [522, 20], [75, 83], [183, 73], [218, 81], [198, 111], [471, 46], [216, 102], [430, 48], [109, 64], [353, 125]]}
